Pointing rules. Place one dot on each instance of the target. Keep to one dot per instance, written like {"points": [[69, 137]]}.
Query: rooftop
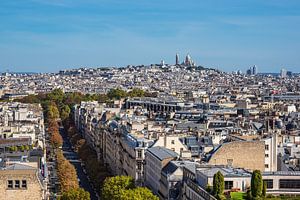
{"points": [[162, 153]]}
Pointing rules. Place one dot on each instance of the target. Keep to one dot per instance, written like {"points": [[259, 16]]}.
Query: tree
{"points": [[52, 111], [122, 187], [136, 93], [66, 173], [208, 188], [256, 184], [30, 99], [57, 95], [22, 148], [79, 144], [27, 148], [56, 139], [144, 193], [116, 93], [264, 189], [138, 194], [52, 125], [65, 112], [218, 185], [75, 194], [102, 98], [73, 98], [115, 187], [13, 148], [248, 195]]}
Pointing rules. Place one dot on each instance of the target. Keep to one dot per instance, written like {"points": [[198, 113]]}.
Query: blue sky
{"points": [[48, 35]]}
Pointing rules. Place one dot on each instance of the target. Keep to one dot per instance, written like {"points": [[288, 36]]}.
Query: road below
{"points": [[74, 160]]}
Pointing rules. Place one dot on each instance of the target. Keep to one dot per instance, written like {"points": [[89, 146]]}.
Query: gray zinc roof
{"points": [[162, 153]]}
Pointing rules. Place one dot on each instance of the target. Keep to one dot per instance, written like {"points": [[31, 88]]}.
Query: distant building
{"points": [[289, 73], [177, 59], [254, 70], [283, 73], [249, 72], [187, 59]]}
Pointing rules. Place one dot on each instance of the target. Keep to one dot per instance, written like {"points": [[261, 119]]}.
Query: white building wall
{"points": [[170, 142], [271, 154]]}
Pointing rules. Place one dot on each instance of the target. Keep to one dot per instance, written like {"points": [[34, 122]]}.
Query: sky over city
{"points": [[50, 35]]}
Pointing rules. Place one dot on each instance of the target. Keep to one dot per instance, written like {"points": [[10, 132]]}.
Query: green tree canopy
{"points": [[75, 194], [65, 112], [102, 98], [52, 111], [73, 98], [138, 193], [57, 95], [116, 93], [256, 184], [136, 93], [218, 185], [115, 187], [30, 99], [264, 190], [123, 188]]}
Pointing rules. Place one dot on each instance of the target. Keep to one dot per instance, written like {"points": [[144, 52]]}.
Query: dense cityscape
{"points": [[149, 100], [163, 131]]}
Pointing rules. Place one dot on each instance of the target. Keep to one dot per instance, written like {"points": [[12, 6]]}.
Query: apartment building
{"points": [[18, 120], [22, 181], [156, 159]]}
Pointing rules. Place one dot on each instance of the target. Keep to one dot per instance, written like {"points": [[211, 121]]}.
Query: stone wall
{"points": [[241, 154], [32, 192]]}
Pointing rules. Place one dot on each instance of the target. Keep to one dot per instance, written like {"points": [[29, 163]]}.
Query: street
{"points": [[74, 160]]}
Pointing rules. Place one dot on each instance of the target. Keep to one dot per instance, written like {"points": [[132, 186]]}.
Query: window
{"points": [[139, 153], [266, 147], [139, 165], [173, 149], [266, 166], [229, 162], [9, 184], [24, 184], [172, 141], [17, 184], [289, 184], [267, 155], [269, 183], [228, 185]]}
